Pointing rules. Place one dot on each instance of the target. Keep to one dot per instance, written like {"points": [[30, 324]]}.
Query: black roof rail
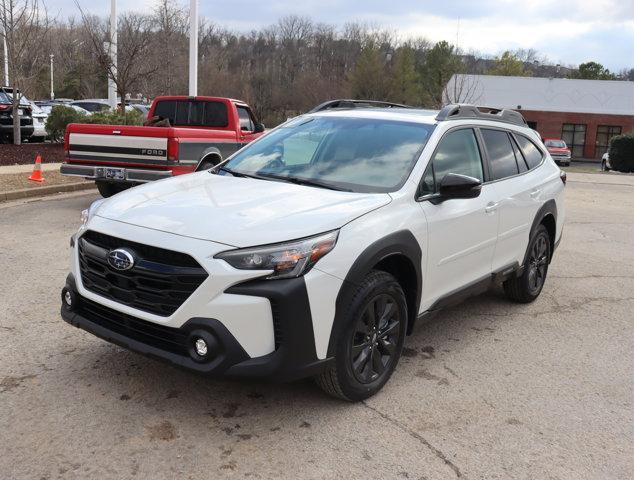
{"points": [[462, 111], [346, 104]]}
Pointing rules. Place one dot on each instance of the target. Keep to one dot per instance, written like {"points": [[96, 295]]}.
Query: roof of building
{"points": [[543, 94]]}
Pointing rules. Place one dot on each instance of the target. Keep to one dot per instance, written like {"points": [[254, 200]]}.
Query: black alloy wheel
{"points": [[368, 347], [375, 339], [537, 264], [529, 284]]}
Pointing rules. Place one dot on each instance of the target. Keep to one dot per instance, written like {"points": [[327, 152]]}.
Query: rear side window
{"points": [[532, 154], [501, 156], [457, 152], [521, 163], [193, 113]]}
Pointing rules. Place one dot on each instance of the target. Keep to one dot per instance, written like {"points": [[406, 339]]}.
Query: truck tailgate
{"points": [[112, 145]]}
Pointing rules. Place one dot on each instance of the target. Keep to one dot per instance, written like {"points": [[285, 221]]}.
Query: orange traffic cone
{"points": [[37, 176]]}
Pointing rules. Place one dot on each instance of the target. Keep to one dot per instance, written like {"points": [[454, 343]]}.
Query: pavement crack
{"points": [[438, 453]]}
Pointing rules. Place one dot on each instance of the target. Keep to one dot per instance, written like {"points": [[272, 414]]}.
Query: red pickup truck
{"points": [[195, 133]]}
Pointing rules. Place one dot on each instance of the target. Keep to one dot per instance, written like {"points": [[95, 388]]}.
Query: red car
{"points": [[558, 150], [185, 134]]}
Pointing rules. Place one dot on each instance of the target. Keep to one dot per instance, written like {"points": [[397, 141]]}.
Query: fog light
{"points": [[69, 299], [201, 347]]}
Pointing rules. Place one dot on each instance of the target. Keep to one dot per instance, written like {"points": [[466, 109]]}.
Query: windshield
{"points": [[556, 143], [356, 154], [7, 97]]}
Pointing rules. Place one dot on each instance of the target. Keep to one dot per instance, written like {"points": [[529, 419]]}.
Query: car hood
{"points": [[557, 150], [239, 212]]}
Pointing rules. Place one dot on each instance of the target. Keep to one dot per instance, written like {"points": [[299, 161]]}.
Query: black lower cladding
{"points": [[293, 358]]}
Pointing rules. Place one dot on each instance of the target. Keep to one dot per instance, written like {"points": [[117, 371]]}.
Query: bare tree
{"points": [[171, 35], [463, 88], [134, 50], [25, 25]]}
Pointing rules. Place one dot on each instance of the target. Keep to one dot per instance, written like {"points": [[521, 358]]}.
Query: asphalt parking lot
{"points": [[487, 389]]}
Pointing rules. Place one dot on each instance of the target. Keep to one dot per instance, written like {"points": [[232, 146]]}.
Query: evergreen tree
{"points": [[405, 85]]}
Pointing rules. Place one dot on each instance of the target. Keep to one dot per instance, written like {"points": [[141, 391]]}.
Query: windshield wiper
{"points": [[234, 173], [305, 181]]}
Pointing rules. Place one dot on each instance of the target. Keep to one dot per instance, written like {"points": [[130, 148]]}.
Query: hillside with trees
{"points": [[281, 69]]}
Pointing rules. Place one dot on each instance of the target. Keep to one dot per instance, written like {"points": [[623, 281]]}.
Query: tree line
{"points": [[281, 70]]}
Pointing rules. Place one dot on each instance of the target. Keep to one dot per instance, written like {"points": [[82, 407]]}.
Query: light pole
{"points": [[6, 57], [193, 48], [52, 84], [112, 50]]}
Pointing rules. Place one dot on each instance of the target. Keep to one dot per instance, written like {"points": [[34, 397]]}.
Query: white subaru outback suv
{"points": [[314, 250]]}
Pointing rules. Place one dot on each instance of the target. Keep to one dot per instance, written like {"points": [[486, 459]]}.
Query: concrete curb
{"points": [[43, 191]]}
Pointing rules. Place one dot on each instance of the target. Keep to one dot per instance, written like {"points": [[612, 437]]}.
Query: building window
{"points": [[604, 135], [575, 137]]}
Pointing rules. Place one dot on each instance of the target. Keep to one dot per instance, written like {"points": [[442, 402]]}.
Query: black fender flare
{"points": [[548, 208], [402, 243], [206, 153]]}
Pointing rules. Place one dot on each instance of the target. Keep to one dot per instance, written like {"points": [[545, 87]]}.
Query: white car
{"points": [[39, 123], [605, 162], [313, 250]]}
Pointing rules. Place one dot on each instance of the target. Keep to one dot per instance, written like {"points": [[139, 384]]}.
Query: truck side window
{"points": [[246, 122]]}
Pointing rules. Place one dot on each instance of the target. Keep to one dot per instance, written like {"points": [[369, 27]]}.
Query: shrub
{"points": [[622, 153], [115, 117], [59, 118]]}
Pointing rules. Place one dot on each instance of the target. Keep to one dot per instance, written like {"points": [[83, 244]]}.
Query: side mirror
{"points": [[259, 128], [454, 185]]}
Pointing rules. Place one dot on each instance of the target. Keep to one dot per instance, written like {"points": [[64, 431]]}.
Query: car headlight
{"points": [[286, 260], [87, 214]]}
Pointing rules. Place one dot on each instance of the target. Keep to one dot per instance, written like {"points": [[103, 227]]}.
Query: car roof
{"points": [[415, 115], [91, 100]]}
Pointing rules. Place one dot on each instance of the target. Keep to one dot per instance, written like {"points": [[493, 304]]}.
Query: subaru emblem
{"points": [[120, 259]]}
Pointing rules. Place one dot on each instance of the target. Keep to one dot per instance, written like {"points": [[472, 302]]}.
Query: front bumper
{"points": [[99, 173], [294, 356], [25, 130], [561, 159]]}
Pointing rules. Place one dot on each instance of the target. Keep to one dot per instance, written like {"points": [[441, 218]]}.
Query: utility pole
{"points": [[112, 49], [6, 57], [52, 84], [193, 48]]}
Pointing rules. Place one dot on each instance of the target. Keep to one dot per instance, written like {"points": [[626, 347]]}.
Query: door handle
{"points": [[535, 193], [491, 207]]}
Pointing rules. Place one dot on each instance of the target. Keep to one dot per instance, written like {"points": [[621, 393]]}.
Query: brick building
{"points": [[586, 114]]}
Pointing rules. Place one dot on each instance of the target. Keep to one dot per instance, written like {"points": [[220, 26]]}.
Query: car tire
{"points": [[527, 287], [370, 346], [108, 189]]}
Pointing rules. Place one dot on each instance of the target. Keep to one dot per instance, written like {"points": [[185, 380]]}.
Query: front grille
{"points": [[159, 336], [159, 282]]}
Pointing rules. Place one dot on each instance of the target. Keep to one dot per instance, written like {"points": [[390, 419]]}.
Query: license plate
{"points": [[115, 173]]}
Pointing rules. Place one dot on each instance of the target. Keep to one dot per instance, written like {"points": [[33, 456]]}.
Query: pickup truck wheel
{"points": [[108, 189], [208, 163], [369, 348], [527, 287]]}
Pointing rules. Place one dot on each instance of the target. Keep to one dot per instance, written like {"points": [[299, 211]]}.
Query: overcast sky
{"points": [[566, 31]]}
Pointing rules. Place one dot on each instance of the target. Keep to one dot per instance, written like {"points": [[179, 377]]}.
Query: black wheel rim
{"points": [[375, 339], [538, 264]]}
